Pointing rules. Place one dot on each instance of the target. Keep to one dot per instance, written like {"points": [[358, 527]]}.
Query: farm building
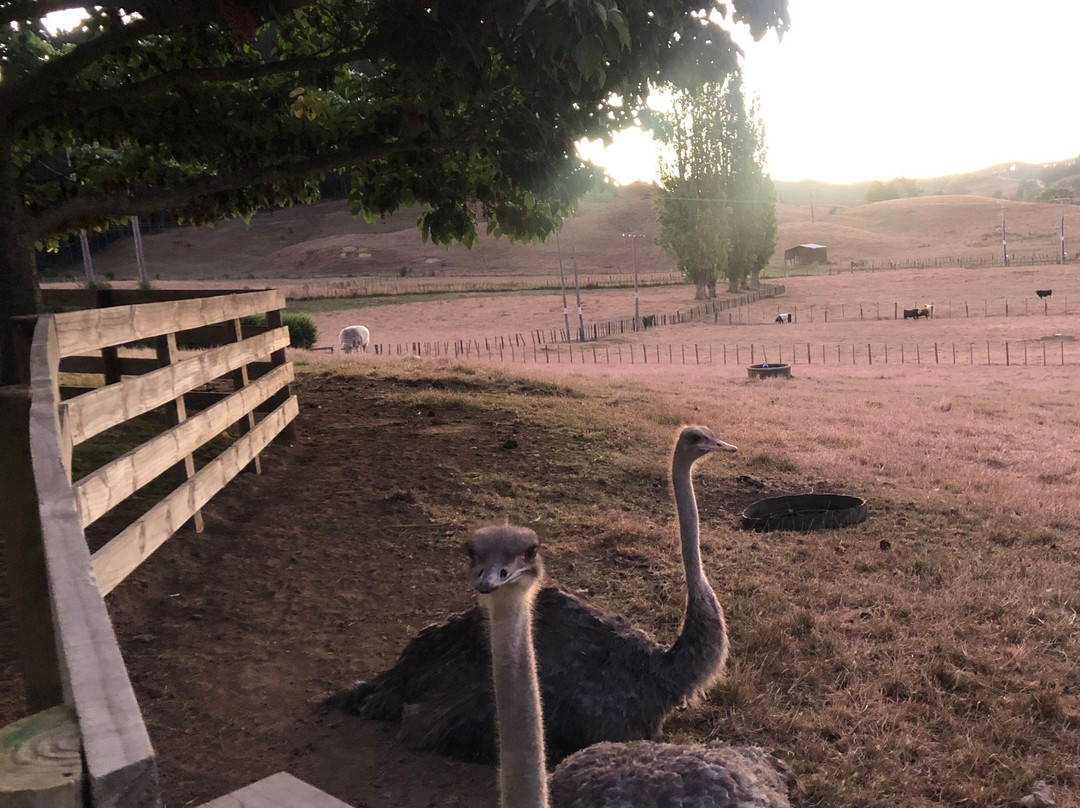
{"points": [[806, 254]]}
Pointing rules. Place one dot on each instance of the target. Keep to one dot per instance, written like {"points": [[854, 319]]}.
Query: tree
{"points": [[716, 208], [897, 188], [210, 108]]}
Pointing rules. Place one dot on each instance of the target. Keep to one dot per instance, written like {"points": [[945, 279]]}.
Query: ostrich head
{"points": [[697, 441], [504, 556]]}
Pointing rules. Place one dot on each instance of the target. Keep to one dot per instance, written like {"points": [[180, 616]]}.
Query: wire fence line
{"points": [[1044, 353], [983, 261], [391, 287], [894, 310]]}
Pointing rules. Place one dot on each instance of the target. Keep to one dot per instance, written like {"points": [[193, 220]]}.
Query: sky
{"points": [[864, 90]]}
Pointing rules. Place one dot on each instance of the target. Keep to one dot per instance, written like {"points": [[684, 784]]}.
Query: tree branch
{"points": [[57, 217], [85, 101], [81, 56]]}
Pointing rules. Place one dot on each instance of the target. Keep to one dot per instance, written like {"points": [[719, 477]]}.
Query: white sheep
{"points": [[353, 337]]}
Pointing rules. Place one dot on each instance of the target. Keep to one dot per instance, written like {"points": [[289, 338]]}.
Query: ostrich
{"points": [[601, 679], [506, 569]]}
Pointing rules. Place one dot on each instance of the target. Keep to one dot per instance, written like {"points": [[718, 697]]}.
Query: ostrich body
{"points": [[601, 679], [506, 569]]}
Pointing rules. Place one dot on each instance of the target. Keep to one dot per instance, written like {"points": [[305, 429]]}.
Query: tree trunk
{"points": [[755, 279], [700, 291], [733, 285], [19, 290]]}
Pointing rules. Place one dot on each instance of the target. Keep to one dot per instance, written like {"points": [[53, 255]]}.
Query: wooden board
{"points": [[280, 790], [102, 490], [120, 764], [81, 332], [94, 412], [41, 761], [123, 553]]}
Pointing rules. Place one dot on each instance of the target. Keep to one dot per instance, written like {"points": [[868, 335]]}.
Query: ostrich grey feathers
{"points": [[600, 678]]}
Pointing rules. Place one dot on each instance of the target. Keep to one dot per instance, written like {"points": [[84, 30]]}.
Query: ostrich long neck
{"points": [[522, 775], [701, 647]]}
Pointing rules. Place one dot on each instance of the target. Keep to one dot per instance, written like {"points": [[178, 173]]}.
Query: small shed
{"points": [[806, 254]]}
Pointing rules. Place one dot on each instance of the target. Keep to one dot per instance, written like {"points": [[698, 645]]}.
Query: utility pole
{"points": [[139, 260], [1061, 209], [1004, 247], [633, 244], [562, 284], [577, 287]]}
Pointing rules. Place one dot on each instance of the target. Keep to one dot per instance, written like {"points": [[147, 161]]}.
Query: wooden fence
{"points": [[992, 352], [85, 743]]}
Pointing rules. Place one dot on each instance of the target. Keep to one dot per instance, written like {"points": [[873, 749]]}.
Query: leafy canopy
{"points": [[209, 108]]}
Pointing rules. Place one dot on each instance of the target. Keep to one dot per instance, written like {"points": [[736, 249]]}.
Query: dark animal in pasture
{"points": [[912, 314], [1044, 292], [648, 321], [783, 318], [601, 679]]}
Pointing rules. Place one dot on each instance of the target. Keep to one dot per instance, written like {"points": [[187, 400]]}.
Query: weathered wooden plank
{"points": [[27, 582], [94, 412], [41, 761], [84, 331], [280, 790], [99, 492], [120, 762], [123, 553]]}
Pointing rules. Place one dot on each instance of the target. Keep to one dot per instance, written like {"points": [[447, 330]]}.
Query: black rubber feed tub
{"points": [[769, 371], [804, 512]]}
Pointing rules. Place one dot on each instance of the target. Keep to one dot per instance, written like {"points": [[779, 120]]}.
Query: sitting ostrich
{"points": [[601, 679], [506, 569], [353, 337]]}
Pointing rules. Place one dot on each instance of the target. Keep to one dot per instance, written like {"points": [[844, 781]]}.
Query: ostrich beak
{"points": [[720, 446]]}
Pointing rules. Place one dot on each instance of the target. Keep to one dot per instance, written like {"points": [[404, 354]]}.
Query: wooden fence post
{"points": [[28, 585], [176, 412], [274, 320]]}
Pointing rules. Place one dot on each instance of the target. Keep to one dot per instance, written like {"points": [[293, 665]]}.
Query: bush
{"points": [[303, 333]]}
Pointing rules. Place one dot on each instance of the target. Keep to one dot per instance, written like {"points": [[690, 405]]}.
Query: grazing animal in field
{"points": [[912, 314], [648, 321], [353, 337], [507, 570], [601, 678], [1044, 292], [783, 318], [927, 310]]}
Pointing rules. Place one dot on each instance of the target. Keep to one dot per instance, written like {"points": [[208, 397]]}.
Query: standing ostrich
{"points": [[506, 570], [601, 679]]}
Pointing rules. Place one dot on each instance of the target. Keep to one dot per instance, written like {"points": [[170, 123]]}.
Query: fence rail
{"points": [[67, 647]]}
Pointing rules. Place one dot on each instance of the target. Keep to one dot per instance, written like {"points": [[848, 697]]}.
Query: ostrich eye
{"points": [[530, 554], [695, 438], [502, 572]]}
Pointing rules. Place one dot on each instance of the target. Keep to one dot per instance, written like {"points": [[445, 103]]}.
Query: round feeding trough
{"points": [[769, 371], [804, 512]]}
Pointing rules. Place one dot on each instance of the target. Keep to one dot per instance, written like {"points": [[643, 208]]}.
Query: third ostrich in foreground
{"points": [[601, 679], [506, 570]]}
